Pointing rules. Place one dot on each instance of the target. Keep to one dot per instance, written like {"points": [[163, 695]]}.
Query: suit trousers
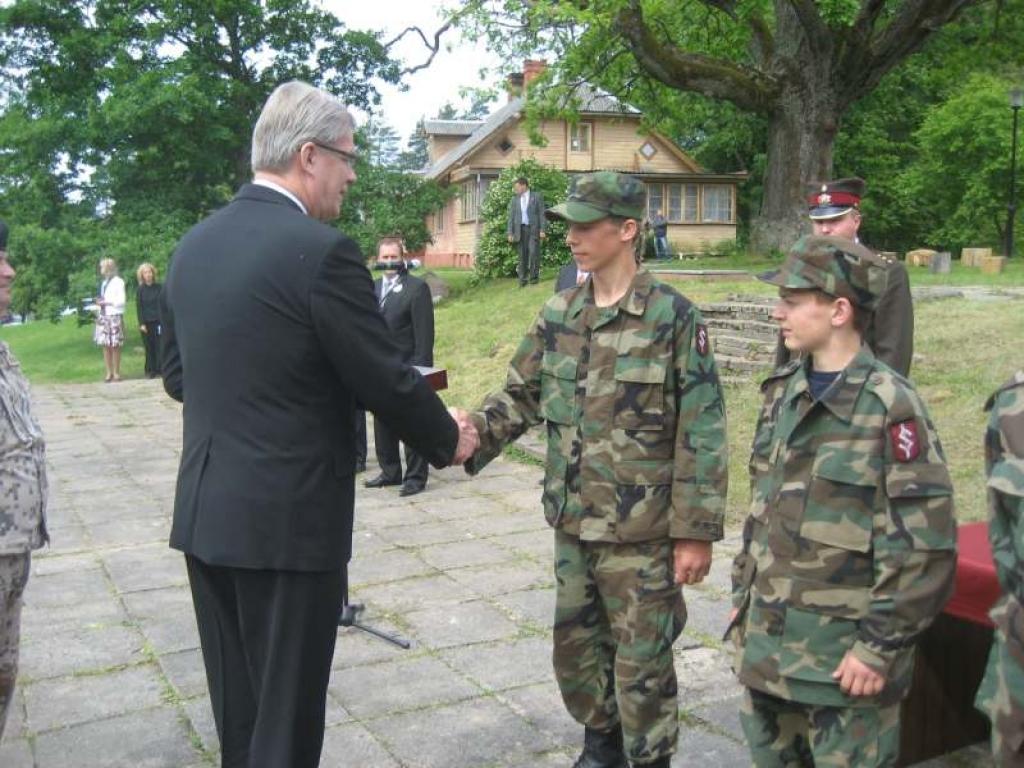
{"points": [[151, 342], [360, 436], [386, 444], [268, 641], [529, 253]]}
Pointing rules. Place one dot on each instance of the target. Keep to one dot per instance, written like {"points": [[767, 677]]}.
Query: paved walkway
{"points": [[111, 673]]}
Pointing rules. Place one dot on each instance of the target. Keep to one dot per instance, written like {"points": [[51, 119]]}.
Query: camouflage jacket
{"points": [[850, 542], [636, 442], [1004, 466], [23, 486]]}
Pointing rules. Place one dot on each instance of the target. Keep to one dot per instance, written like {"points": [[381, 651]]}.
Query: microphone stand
{"points": [[350, 618]]}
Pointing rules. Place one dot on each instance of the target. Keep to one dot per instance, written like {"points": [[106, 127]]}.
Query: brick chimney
{"points": [[514, 85], [532, 69]]}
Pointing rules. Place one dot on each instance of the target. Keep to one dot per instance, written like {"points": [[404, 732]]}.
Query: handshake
{"points": [[469, 438]]}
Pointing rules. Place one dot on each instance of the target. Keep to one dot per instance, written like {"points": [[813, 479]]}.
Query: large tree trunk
{"points": [[801, 130], [801, 135]]}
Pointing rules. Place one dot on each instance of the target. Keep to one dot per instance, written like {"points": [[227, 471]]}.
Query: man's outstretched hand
{"points": [[469, 438]]}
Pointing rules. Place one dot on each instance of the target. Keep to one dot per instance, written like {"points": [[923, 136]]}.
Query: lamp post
{"points": [[1016, 102]]}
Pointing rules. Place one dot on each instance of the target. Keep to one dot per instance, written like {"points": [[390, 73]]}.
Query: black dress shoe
{"points": [[380, 481], [411, 489]]}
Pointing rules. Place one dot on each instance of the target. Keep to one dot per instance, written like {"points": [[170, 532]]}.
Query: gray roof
{"points": [[592, 101], [451, 127]]}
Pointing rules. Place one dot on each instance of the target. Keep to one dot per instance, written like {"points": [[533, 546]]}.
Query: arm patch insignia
{"points": [[702, 341], [906, 443]]}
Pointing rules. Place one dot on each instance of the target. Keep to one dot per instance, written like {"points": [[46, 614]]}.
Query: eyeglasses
{"points": [[349, 157]]}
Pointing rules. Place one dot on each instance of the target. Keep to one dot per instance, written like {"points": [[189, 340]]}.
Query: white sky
{"points": [[428, 88]]}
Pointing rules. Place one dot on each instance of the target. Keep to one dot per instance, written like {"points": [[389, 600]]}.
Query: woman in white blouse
{"points": [[109, 332]]}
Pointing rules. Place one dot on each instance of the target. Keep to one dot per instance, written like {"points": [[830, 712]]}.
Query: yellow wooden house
{"points": [[700, 207]]}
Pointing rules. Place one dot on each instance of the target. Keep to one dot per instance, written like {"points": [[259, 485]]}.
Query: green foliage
{"points": [[125, 121], [957, 187], [495, 256], [385, 201]]}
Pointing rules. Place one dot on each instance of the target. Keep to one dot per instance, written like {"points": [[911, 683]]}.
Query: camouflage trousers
{"points": [[13, 578], [789, 734], [617, 613], [1001, 693]]}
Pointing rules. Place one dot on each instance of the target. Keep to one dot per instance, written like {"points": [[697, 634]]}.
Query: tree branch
{"points": [[807, 13], [865, 63], [434, 46], [717, 78], [728, 7]]}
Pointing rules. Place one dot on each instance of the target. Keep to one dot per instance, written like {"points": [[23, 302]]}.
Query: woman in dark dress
{"points": [[147, 302]]}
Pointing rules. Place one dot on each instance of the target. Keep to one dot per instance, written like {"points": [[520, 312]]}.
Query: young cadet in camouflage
{"points": [[622, 372], [849, 548], [22, 494], [1001, 694]]}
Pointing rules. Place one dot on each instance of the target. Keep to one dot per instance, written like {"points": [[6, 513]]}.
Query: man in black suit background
{"points": [[569, 276], [408, 310], [526, 228], [272, 334]]}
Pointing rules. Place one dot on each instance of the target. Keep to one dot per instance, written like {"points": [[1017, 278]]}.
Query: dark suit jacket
{"points": [[566, 277], [534, 210], [271, 334], [408, 311]]}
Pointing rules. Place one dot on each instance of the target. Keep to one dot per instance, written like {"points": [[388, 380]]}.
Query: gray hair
{"points": [[295, 113]]}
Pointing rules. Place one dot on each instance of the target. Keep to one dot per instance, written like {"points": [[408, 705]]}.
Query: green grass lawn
{"points": [[52, 353], [963, 350]]}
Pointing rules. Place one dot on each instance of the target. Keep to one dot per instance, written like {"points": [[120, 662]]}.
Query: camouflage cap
{"points": [[832, 199], [595, 196], [835, 265]]}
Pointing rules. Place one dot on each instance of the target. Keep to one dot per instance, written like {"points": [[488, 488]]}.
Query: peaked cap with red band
{"points": [[832, 199]]}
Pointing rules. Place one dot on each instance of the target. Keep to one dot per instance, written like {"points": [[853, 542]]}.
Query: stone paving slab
{"points": [[111, 672]]}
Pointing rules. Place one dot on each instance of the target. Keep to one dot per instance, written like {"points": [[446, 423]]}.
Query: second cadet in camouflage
{"points": [[849, 548]]}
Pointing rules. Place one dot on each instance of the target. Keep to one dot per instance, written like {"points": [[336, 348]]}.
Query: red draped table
{"points": [[938, 715]]}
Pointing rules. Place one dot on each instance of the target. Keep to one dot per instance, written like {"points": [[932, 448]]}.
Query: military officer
{"points": [[834, 211], [1001, 694], [849, 548], [622, 372]]}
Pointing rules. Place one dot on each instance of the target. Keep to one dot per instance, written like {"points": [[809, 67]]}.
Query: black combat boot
{"points": [[602, 749], [661, 762]]}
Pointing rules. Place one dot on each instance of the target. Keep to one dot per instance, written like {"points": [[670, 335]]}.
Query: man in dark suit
{"points": [[272, 334], [408, 311], [570, 276], [834, 210], [526, 228]]}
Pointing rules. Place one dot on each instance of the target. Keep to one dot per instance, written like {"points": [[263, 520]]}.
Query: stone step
{"points": [[760, 350], [738, 365], [750, 329], [737, 310]]}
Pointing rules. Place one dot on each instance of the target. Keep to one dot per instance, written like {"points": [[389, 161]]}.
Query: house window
{"points": [[718, 203], [648, 150], [469, 204], [579, 137], [654, 198], [690, 204], [439, 220], [675, 202], [505, 146]]}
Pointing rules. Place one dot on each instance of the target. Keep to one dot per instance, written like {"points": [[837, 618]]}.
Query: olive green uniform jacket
{"points": [[636, 440], [850, 542]]}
